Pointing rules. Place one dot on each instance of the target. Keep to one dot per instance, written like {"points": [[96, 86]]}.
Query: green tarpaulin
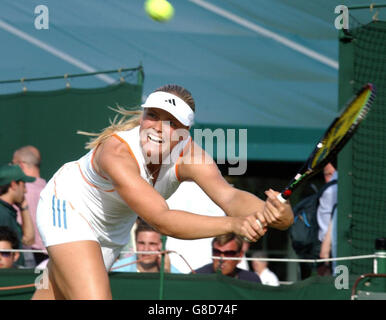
{"points": [[146, 286], [50, 120]]}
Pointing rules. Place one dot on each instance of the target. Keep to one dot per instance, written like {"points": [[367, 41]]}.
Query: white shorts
{"points": [[59, 222]]}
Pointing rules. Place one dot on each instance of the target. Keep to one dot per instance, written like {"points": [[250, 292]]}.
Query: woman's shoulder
{"points": [[195, 154], [129, 132]]}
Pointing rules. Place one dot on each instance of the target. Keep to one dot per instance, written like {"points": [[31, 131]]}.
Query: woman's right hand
{"points": [[248, 227]]}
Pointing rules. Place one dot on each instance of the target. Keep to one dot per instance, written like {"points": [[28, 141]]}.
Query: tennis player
{"points": [[88, 207]]}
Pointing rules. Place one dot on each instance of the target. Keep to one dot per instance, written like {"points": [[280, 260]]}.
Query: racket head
{"points": [[336, 136]]}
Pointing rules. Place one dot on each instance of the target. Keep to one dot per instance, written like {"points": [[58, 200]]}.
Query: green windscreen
{"points": [[362, 203], [50, 120], [369, 145], [146, 286]]}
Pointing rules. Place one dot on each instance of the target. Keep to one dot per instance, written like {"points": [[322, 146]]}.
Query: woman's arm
{"points": [[198, 166], [235, 202], [279, 215], [114, 160]]}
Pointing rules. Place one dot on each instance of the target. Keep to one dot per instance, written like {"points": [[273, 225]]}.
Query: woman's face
{"points": [[160, 132]]}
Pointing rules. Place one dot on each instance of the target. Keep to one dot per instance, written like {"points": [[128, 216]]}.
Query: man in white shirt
{"points": [[267, 277]]}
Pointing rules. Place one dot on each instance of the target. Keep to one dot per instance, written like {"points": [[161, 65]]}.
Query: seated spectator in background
{"points": [[328, 172], [146, 239], [267, 277], [12, 190], [327, 201], [228, 246], [8, 240], [28, 158]]}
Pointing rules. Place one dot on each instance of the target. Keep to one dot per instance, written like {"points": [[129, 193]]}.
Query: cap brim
{"points": [[185, 122], [172, 104], [28, 179]]}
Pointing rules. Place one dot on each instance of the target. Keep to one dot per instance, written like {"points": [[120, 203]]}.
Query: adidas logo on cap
{"points": [[171, 101]]}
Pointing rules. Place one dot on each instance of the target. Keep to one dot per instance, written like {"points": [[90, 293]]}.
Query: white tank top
{"points": [[93, 196]]}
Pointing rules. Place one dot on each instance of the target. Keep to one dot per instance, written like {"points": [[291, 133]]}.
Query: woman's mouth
{"points": [[154, 138]]}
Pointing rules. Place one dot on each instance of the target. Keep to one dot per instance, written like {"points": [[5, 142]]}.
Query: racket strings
{"points": [[344, 127], [335, 138]]}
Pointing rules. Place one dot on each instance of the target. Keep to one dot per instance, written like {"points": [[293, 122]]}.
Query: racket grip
{"points": [[260, 225], [281, 199]]}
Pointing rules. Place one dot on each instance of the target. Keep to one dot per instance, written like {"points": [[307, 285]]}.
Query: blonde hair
{"points": [[131, 118], [180, 92]]}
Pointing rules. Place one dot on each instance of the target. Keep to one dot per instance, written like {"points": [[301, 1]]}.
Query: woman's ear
{"points": [[14, 185]]}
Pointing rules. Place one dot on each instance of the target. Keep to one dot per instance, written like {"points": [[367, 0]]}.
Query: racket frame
{"points": [[307, 171]]}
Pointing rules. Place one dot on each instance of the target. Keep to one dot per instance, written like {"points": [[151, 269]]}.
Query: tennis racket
{"points": [[334, 139]]}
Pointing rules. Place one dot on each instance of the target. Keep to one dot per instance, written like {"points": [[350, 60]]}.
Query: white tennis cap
{"points": [[172, 104]]}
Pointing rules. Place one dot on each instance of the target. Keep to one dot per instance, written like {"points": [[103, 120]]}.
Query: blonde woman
{"points": [[88, 207]]}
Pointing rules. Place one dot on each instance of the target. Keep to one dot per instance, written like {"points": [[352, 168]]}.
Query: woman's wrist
{"points": [[231, 225]]}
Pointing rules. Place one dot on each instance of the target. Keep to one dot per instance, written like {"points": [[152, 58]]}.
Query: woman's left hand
{"points": [[277, 214]]}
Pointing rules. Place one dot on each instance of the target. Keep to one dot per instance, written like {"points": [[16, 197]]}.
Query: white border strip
{"points": [[268, 34], [50, 49]]}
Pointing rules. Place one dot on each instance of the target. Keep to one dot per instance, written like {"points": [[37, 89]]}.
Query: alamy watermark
{"points": [[42, 18], [342, 277], [41, 281], [225, 147], [342, 20], [228, 146]]}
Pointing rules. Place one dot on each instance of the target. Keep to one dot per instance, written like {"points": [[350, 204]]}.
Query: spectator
{"points": [[146, 239], [8, 240], [327, 203], [266, 276], [228, 246], [28, 158], [12, 190], [328, 172]]}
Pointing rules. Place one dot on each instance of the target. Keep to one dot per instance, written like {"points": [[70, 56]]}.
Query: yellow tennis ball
{"points": [[159, 10]]}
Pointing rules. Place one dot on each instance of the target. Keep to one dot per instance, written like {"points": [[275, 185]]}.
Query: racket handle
{"points": [[281, 199], [260, 225]]}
